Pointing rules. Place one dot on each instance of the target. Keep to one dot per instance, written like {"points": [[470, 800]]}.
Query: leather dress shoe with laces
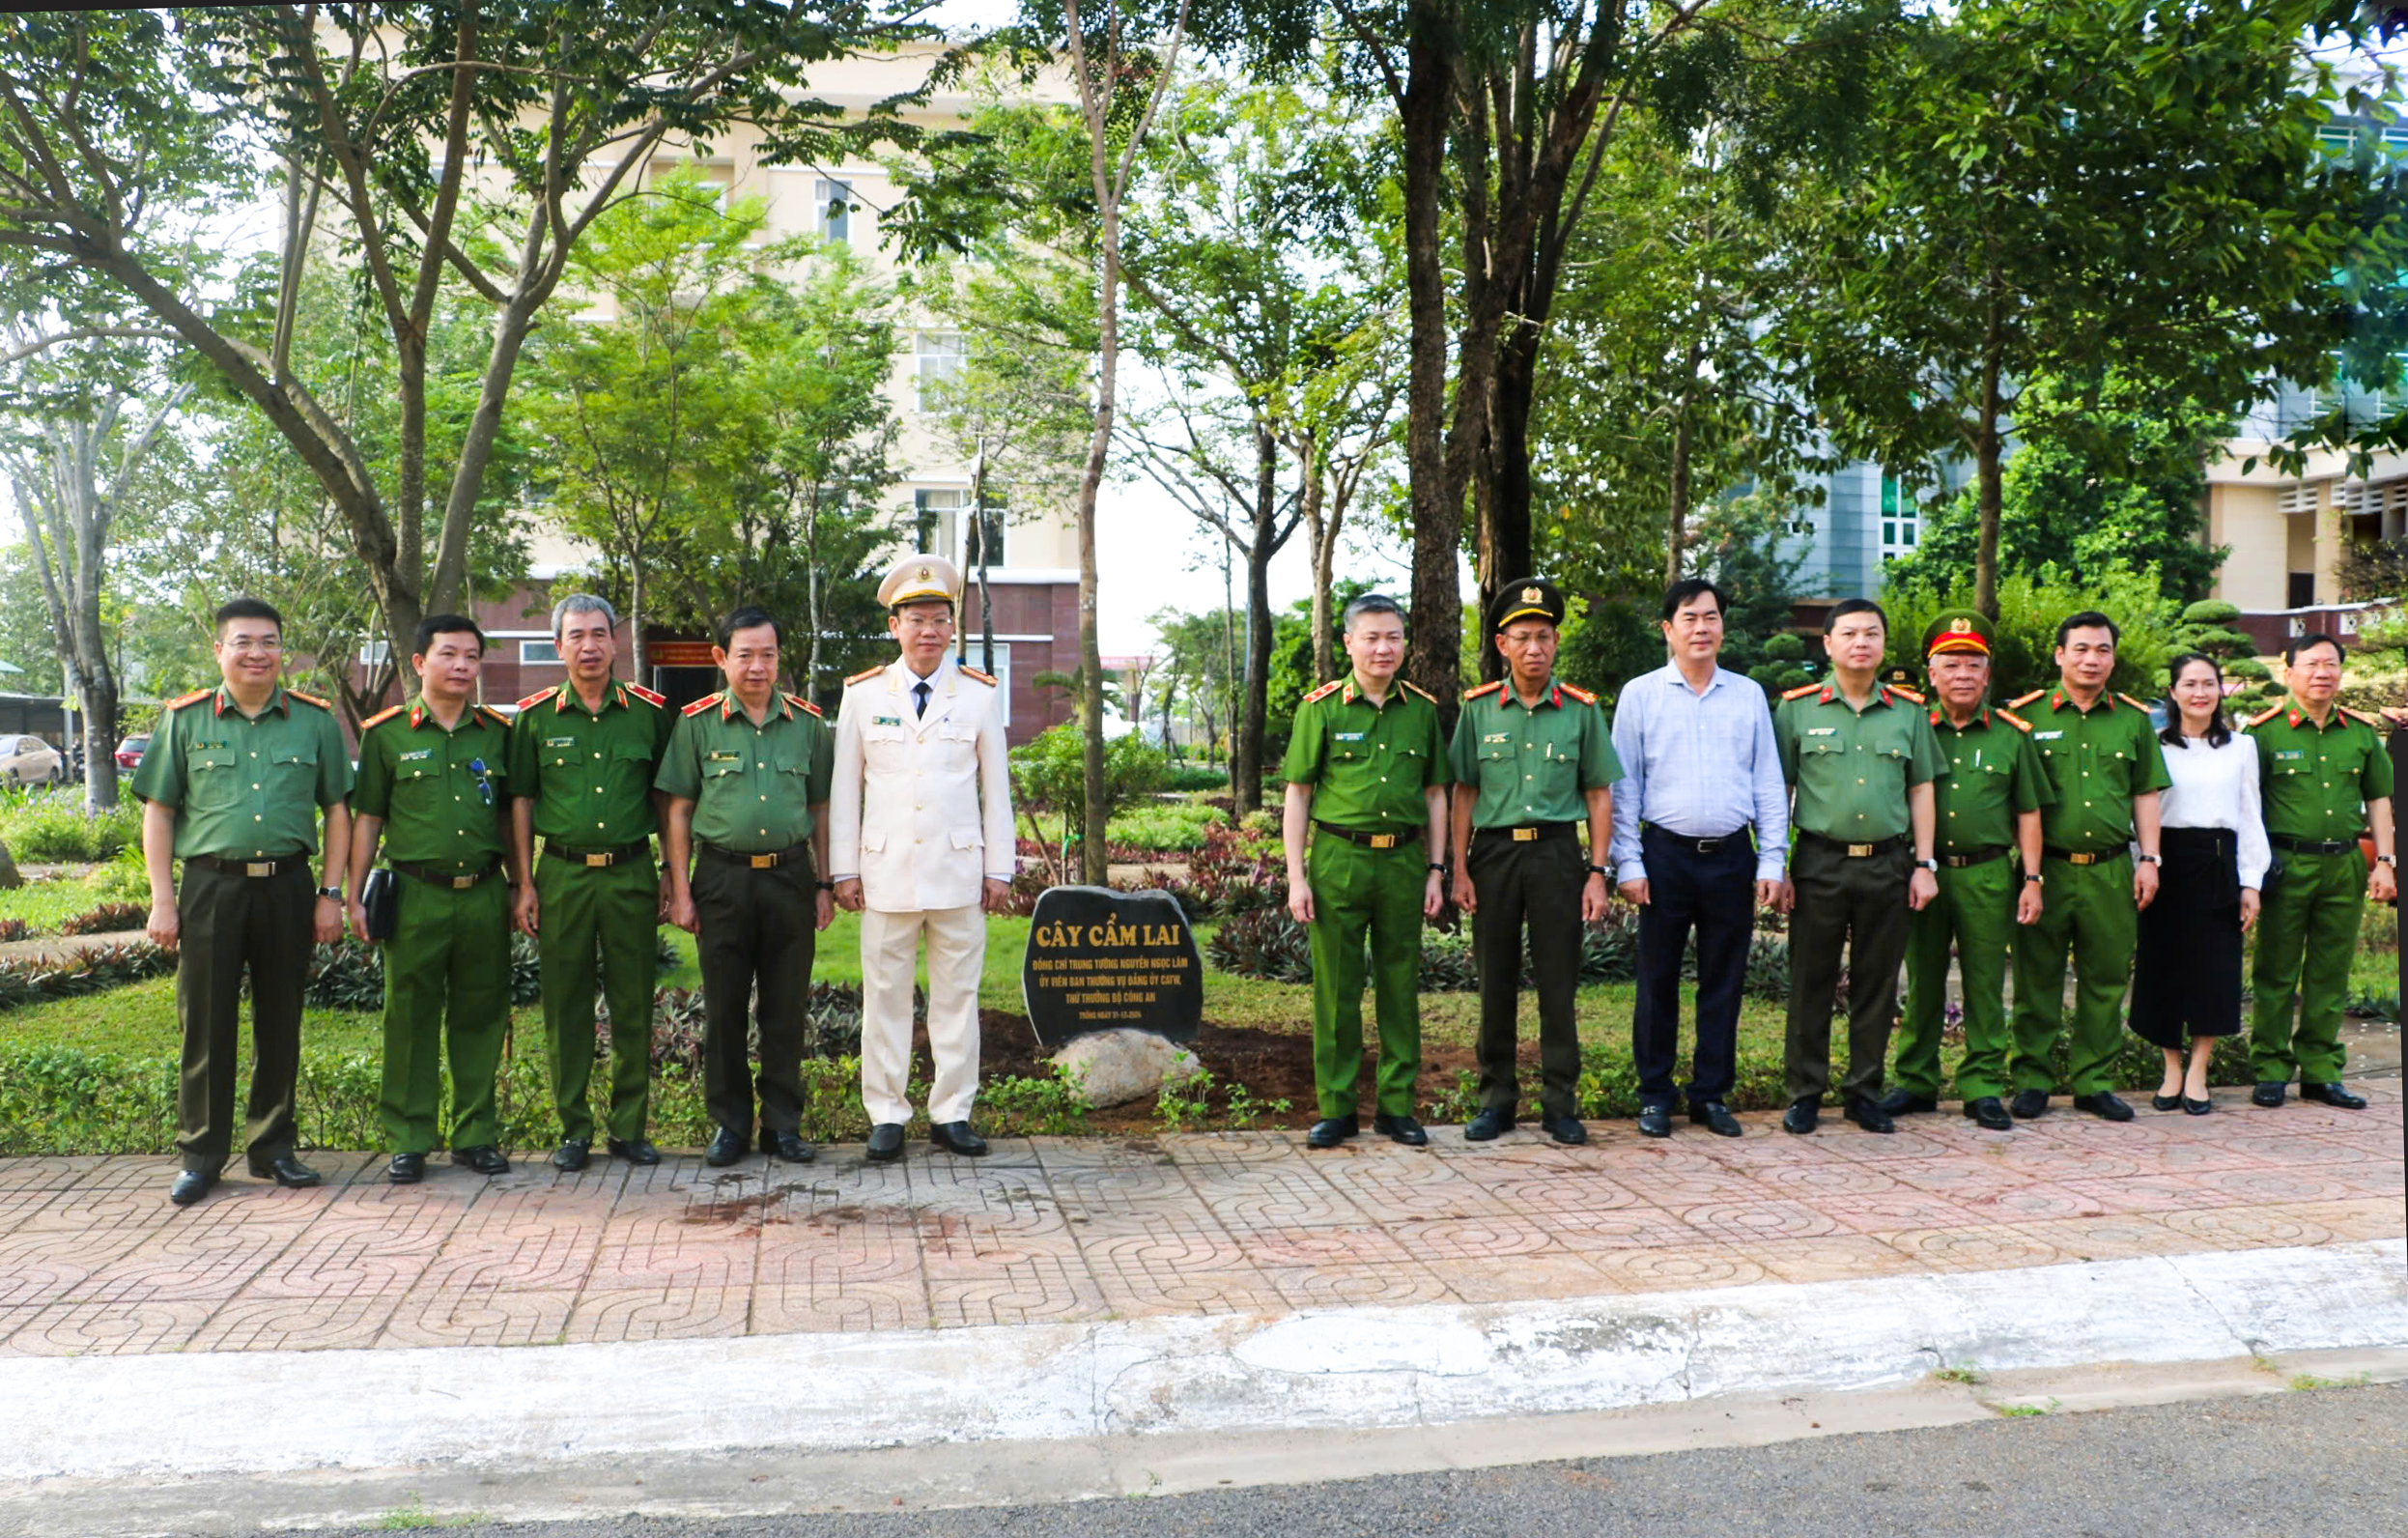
{"points": [[787, 1146], [958, 1137], [2333, 1094], [2269, 1091], [1330, 1131], [407, 1169], [635, 1150], [190, 1186], [1987, 1111], [1714, 1117], [482, 1158], [1901, 1102], [1801, 1117], [885, 1142], [1493, 1122], [2104, 1105], [286, 1171], [2029, 1103], [572, 1154], [1654, 1121], [1564, 1129], [1401, 1130], [727, 1145], [1868, 1115]]}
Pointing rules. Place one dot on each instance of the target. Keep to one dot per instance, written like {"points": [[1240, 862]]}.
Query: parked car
{"points": [[130, 751], [28, 760]]}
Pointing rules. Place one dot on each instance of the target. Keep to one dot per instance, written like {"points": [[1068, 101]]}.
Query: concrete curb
{"points": [[1357, 1369]]}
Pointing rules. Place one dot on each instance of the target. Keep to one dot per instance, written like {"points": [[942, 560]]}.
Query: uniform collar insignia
{"points": [[1825, 697], [275, 701], [417, 714]]}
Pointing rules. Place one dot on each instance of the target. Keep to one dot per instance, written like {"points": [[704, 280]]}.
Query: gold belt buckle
{"points": [[463, 883], [764, 862], [259, 868], [595, 860], [2082, 859], [1383, 840], [1859, 851], [1525, 835]]}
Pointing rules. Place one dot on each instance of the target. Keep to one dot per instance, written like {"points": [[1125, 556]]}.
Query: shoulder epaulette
{"points": [[1905, 692], [2263, 715], [538, 697], [1488, 687], [647, 696], [184, 700], [1579, 693], [2136, 704], [1414, 688], [2021, 701], [801, 703], [308, 699], [1325, 691], [864, 674], [1800, 691], [386, 714], [701, 706], [2011, 718], [2375, 721], [987, 679], [493, 715]]}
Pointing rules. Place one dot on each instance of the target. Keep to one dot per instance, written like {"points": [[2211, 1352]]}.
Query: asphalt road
{"points": [[2329, 1460]]}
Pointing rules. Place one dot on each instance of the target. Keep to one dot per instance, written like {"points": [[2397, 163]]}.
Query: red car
{"points": [[130, 751]]}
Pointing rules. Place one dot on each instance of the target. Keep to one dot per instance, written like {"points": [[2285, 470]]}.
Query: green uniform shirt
{"points": [[1532, 763], [1369, 764], [437, 791], [2316, 780], [246, 787], [2098, 760], [589, 775], [1994, 774], [753, 787], [1853, 768]]}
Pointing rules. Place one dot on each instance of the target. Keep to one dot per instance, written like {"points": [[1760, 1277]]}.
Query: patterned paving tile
{"points": [[1548, 1273], [12, 1318], [2289, 1183], [842, 1246], [2365, 1217], [1543, 1191], [528, 1240], [2375, 1177], [2146, 1194], [1745, 1221], [1620, 1229], [1474, 1238], [296, 1323], [440, 1315], [660, 1245], [51, 1174], [1824, 1181], [1259, 1198], [44, 1266], [1423, 1189], [852, 1306], [1896, 1210], [1188, 1292], [1673, 1267], [1186, 1241], [658, 1313], [1043, 1288], [1342, 1248], [108, 1329], [1693, 1187], [1829, 1258], [1357, 1286], [2248, 1227], [1992, 1247], [1957, 1176], [18, 1207], [201, 1262], [357, 1258], [2036, 1201], [2121, 1236]]}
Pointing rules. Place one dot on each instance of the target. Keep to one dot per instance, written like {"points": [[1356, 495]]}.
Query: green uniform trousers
{"points": [[755, 931], [231, 923], [1534, 883], [446, 972], [2088, 914], [617, 909], [1974, 913], [2307, 935], [1862, 902], [1362, 893]]}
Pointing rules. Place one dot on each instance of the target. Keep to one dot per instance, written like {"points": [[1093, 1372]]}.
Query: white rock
{"points": [[1114, 1067]]}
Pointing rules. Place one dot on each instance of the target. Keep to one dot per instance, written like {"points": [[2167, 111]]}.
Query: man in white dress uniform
{"points": [[919, 839]]}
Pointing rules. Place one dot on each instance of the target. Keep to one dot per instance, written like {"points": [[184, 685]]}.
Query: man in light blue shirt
{"points": [[1701, 771]]}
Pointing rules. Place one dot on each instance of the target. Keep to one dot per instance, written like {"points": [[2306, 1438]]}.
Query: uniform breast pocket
{"points": [[886, 749], [295, 773], [957, 745], [210, 779], [416, 776], [721, 768]]}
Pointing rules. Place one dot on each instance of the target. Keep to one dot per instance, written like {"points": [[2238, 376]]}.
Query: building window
{"points": [[539, 653], [375, 653], [1901, 518], [936, 359], [935, 516], [2303, 594], [983, 538], [832, 204]]}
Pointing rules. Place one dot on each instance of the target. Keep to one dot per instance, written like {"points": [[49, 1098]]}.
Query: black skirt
{"points": [[2186, 976]]}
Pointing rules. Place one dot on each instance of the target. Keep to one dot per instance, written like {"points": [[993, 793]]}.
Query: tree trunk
{"points": [[1253, 711], [986, 595], [1321, 529], [1436, 664], [636, 616], [10, 880], [1676, 515], [1510, 535], [1987, 454], [811, 591]]}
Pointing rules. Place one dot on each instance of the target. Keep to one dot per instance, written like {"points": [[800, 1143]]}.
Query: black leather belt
{"points": [[1855, 851], [1682, 840], [246, 868], [2087, 857], [456, 880], [597, 858], [1977, 857], [1370, 841], [1531, 832], [768, 861], [2311, 845]]}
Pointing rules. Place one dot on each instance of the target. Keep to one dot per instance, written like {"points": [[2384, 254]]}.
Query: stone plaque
{"points": [[1104, 960]]}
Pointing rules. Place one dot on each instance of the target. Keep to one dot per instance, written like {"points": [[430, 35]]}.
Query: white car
{"points": [[28, 760]]}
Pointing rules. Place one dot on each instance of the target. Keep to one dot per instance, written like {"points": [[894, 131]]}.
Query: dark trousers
{"points": [[757, 931], [1713, 895], [233, 923], [1533, 884], [1861, 903]]}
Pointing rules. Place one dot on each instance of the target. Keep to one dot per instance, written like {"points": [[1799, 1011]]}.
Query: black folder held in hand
{"points": [[380, 896]]}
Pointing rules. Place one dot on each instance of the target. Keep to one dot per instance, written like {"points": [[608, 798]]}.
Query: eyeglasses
{"points": [[250, 644], [484, 784], [925, 622]]}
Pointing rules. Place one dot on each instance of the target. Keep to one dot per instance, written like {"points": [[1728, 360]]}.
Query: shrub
{"points": [[13, 929], [1174, 826], [107, 918], [100, 967], [51, 826], [1226, 873], [1196, 777]]}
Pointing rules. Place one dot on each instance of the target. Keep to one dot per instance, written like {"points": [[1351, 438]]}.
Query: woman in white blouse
{"points": [[2187, 973]]}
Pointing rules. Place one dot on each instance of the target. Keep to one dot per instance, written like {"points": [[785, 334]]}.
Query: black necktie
{"points": [[921, 690]]}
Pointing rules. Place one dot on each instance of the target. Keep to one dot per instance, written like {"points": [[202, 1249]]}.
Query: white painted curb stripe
{"points": [[237, 1412]]}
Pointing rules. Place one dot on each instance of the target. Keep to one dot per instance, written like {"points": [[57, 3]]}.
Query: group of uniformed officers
{"points": [[1889, 827], [768, 820]]}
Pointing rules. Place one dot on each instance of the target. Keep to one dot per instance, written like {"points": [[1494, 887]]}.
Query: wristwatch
{"points": [[826, 886], [2385, 859], [2034, 878], [1437, 867], [332, 893], [1928, 865], [1607, 871], [2146, 857]]}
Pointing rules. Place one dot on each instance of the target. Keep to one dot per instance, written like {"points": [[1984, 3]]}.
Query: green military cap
{"points": [[1958, 630], [1532, 597]]}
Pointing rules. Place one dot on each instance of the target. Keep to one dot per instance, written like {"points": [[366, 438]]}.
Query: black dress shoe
{"points": [[1899, 1102], [572, 1154], [286, 1171], [407, 1169], [1330, 1131], [2103, 1105], [787, 1146], [727, 1145], [886, 1141], [1654, 1121], [1869, 1115], [2029, 1104], [1987, 1111], [959, 1138], [2164, 1102], [1564, 1129], [2333, 1094], [1493, 1122], [1401, 1130], [2269, 1093], [190, 1186], [482, 1158], [1714, 1117], [635, 1150], [2191, 1108], [1801, 1117]]}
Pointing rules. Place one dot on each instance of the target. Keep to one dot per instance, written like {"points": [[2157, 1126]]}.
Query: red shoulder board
{"points": [[1581, 694], [1801, 691], [386, 714], [2012, 718], [2263, 715], [1904, 692], [308, 699], [987, 679], [801, 703], [1414, 688], [864, 674], [193, 697], [2376, 722], [537, 697], [2140, 705], [493, 715], [1325, 691], [2021, 701], [1485, 688], [701, 706], [647, 696]]}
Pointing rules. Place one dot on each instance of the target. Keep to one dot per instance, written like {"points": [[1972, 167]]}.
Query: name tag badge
{"points": [[2046, 736], [885, 721], [1496, 736], [1821, 731], [726, 758], [2291, 754], [560, 742], [1348, 736], [416, 753]]}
